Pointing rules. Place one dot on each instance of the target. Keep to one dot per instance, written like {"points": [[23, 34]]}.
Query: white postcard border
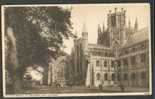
{"points": [[72, 94]]}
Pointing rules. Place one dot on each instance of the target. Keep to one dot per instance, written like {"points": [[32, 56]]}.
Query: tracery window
{"points": [[143, 75], [98, 76], [125, 76], [113, 76], [133, 76], [125, 62], [142, 57], [133, 60], [112, 63], [105, 63], [105, 76], [97, 63]]}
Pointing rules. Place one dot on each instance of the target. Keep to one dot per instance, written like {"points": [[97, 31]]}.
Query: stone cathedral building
{"points": [[121, 55]]}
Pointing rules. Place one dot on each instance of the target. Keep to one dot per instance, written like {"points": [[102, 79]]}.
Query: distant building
{"points": [[134, 59], [121, 55], [56, 72], [79, 56]]}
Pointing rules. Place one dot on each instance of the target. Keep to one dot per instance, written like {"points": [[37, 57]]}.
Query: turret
{"points": [[124, 14], [103, 27], [84, 38], [109, 19], [99, 29], [99, 34], [129, 24], [136, 25]]}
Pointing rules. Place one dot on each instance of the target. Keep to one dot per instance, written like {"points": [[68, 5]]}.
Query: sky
{"points": [[93, 14]]}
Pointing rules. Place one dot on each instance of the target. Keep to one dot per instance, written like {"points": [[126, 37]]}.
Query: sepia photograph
{"points": [[76, 50]]}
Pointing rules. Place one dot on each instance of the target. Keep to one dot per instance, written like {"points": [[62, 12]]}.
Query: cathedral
{"points": [[121, 55]]}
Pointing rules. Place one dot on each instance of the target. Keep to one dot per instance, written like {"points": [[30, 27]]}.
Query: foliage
{"points": [[39, 32], [37, 29]]}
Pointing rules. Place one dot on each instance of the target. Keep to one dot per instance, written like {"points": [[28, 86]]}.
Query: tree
{"points": [[36, 30]]}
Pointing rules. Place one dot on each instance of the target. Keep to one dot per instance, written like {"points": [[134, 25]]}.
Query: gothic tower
{"points": [[99, 39], [116, 26], [85, 39], [136, 26], [84, 57], [103, 36]]}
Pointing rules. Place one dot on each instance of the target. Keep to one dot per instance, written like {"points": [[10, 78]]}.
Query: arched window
{"points": [[60, 72], [125, 62], [105, 76], [106, 54], [133, 60], [143, 75], [125, 76], [118, 63], [142, 58], [97, 63], [118, 76], [126, 51], [112, 63], [105, 63], [133, 76], [113, 76], [98, 76]]}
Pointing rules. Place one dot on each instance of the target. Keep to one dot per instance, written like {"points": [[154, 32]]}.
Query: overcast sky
{"points": [[92, 15]]}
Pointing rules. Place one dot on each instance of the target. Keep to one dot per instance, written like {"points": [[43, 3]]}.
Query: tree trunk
{"points": [[13, 61]]}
